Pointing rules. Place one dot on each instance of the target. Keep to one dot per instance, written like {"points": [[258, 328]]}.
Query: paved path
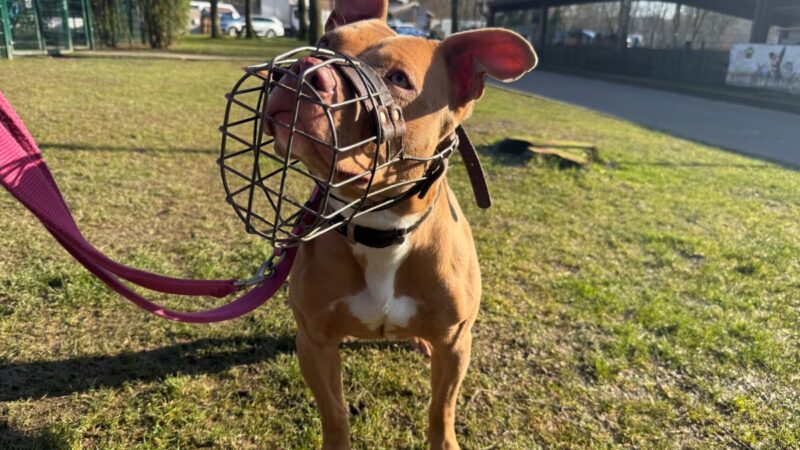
{"points": [[767, 134]]}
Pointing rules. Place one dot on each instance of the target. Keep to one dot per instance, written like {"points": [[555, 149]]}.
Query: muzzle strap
{"points": [[389, 115]]}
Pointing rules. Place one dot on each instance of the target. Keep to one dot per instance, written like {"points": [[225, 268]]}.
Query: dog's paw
{"points": [[421, 346]]}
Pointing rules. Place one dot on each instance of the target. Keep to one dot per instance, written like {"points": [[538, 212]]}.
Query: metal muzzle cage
{"points": [[268, 189]]}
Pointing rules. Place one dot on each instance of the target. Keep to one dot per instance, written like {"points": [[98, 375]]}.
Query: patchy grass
{"points": [[229, 46], [648, 302]]}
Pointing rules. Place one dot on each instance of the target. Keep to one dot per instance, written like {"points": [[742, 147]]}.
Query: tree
{"points": [[163, 21], [302, 29], [454, 16], [676, 24], [106, 21], [248, 19], [624, 24], [698, 18], [215, 33], [315, 22]]}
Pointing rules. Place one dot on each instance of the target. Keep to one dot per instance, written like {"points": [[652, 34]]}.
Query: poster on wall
{"points": [[762, 66]]}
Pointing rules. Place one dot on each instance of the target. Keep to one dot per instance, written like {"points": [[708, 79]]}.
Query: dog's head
{"points": [[435, 83]]}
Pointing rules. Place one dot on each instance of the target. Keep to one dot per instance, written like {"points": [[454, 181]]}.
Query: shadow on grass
{"points": [[37, 379], [18, 440], [204, 356], [502, 152], [119, 148]]}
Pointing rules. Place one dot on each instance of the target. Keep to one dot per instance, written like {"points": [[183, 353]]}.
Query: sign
{"points": [[763, 66]]}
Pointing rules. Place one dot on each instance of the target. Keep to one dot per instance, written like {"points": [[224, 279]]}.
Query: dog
{"points": [[426, 289]]}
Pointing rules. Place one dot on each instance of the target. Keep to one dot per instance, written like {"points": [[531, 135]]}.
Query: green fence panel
{"points": [[89, 23], [131, 26], [25, 24], [78, 24], [55, 27], [5, 32]]}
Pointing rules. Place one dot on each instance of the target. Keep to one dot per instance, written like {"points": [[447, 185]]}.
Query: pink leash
{"points": [[25, 175]]}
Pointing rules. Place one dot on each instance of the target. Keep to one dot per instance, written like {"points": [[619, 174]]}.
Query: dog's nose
{"points": [[322, 79]]}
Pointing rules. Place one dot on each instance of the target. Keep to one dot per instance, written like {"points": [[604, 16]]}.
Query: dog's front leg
{"points": [[449, 363], [321, 367]]}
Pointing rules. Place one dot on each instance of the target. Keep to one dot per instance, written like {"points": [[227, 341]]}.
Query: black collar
{"points": [[376, 238]]}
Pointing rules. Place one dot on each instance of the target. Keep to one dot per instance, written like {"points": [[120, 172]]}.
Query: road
{"points": [[763, 133]]}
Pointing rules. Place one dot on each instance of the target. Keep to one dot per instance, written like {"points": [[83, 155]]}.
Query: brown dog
{"points": [[426, 289]]}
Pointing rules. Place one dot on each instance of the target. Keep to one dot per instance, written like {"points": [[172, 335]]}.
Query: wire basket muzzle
{"points": [[267, 185]]}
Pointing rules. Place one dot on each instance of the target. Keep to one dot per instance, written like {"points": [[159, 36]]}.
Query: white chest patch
{"points": [[376, 305]]}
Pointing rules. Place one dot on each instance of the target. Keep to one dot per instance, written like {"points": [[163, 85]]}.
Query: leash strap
{"points": [[474, 169], [25, 175]]}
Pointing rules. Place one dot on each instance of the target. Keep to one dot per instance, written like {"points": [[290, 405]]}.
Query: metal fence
{"points": [[80, 23], [44, 26], [5, 35], [692, 66], [118, 22]]}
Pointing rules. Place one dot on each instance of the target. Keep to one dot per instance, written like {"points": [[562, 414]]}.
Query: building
{"points": [[789, 36], [762, 13]]}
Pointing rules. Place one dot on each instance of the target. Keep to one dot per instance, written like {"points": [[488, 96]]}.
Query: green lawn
{"points": [[228, 46], [650, 302]]}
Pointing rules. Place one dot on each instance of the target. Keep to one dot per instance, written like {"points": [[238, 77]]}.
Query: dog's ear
{"points": [[470, 55], [349, 11]]}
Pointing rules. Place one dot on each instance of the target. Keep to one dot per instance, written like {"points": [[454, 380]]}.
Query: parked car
{"points": [[574, 37], [263, 26], [199, 12], [410, 31], [635, 40], [226, 21]]}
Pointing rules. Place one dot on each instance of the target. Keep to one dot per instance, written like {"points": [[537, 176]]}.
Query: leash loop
{"points": [[265, 270]]}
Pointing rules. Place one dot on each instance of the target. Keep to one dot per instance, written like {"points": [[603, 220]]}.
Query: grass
{"points": [[649, 302], [228, 46]]}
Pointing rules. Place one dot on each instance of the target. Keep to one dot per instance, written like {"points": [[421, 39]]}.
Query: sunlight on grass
{"points": [[228, 46], [648, 302]]}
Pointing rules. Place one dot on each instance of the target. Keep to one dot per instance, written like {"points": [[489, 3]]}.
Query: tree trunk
{"points": [[302, 30], [214, 20], [624, 23], [314, 22], [454, 16], [676, 24], [248, 19], [699, 18]]}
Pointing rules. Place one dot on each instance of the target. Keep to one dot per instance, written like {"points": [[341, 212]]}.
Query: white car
{"points": [[263, 26]]}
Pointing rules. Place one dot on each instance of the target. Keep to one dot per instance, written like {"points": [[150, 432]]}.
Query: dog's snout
{"points": [[322, 79]]}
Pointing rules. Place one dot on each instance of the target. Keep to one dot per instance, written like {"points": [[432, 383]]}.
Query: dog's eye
{"points": [[399, 79]]}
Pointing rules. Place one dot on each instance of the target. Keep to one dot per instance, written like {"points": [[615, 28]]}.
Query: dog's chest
{"points": [[376, 305]]}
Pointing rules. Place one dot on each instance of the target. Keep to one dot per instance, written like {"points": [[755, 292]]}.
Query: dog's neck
{"points": [[403, 215]]}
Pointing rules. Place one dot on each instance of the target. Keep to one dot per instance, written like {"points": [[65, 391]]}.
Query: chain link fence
{"points": [[30, 27]]}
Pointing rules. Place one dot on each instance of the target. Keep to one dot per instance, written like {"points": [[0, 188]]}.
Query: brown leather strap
{"points": [[474, 169], [390, 117]]}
